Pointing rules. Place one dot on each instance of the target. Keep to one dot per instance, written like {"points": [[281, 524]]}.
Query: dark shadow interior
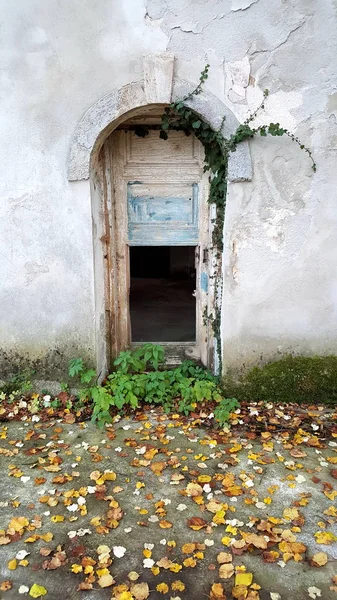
{"points": [[162, 301]]}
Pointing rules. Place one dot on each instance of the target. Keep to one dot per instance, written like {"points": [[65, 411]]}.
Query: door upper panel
{"points": [[162, 180], [162, 215]]}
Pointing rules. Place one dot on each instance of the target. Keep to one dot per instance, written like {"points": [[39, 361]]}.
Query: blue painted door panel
{"points": [[162, 214]]}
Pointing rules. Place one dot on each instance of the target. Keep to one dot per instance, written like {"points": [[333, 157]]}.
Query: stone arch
{"points": [[158, 86]]}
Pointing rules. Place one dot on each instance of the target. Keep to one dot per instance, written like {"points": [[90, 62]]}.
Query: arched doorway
{"points": [[157, 238], [88, 160]]}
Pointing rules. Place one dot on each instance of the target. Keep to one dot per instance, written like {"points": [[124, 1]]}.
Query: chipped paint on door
{"points": [[162, 215]]}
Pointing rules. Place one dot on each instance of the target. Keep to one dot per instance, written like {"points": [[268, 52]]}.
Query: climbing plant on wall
{"points": [[180, 116]]}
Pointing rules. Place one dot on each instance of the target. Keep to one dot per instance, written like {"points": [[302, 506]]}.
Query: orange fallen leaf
{"points": [[5, 585], [188, 548], [217, 592], [165, 524]]}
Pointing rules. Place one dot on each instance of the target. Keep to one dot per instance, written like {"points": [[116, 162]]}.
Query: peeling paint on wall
{"points": [[242, 4]]}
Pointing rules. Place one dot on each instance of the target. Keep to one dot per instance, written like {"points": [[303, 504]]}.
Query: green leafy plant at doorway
{"points": [[139, 378], [180, 116]]}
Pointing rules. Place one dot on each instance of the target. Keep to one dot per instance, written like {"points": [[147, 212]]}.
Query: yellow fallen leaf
{"points": [[188, 548], [76, 568], [243, 578], [178, 586], [175, 568], [23, 563], [204, 478], [189, 562], [325, 537], [57, 518], [12, 564], [18, 523], [125, 596], [290, 514], [162, 587], [36, 591]]}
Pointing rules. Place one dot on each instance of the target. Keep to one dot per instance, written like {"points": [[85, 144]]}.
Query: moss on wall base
{"points": [[299, 379], [49, 364]]}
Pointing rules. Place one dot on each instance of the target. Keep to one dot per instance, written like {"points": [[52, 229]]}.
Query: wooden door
{"points": [[156, 195]]}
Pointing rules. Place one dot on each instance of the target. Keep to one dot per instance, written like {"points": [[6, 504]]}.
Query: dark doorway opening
{"points": [[162, 287]]}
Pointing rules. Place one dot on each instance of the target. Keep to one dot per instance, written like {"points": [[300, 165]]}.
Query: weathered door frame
{"points": [[116, 178], [158, 86]]}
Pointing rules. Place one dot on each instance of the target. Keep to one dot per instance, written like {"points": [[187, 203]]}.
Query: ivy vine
{"points": [[180, 117]]}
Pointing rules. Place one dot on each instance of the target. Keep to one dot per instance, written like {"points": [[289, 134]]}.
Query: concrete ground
{"points": [[115, 507]]}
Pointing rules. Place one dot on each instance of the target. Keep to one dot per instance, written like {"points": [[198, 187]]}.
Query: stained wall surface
{"points": [[59, 57]]}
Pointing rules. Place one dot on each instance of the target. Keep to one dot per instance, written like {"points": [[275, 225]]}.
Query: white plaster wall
{"points": [[58, 57]]}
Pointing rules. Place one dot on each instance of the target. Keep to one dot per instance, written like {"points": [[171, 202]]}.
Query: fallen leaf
{"points": [[7, 585], [196, 523], [243, 579], [319, 560], [162, 587], [226, 571], [165, 524], [140, 591], [105, 580], [37, 590], [217, 592], [325, 537]]}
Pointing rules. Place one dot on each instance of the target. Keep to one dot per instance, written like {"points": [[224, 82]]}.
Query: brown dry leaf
{"points": [[158, 467], [177, 477], [297, 453], [105, 580], [196, 523], [164, 563], [257, 540], [84, 586], [271, 556], [52, 564], [217, 592], [291, 513], [214, 506], [224, 557], [4, 540], [193, 489], [69, 418], [319, 560], [239, 544], [239, 592], [226, 571], [140, 591]]}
